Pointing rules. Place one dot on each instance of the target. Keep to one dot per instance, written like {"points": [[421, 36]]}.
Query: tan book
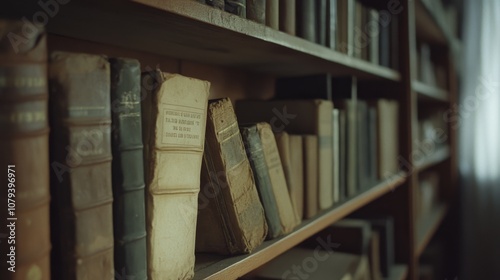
{"points": [[231, 218], [374, 256], [272, 13], [283, 140], [288, 216], [388, 150], [311, 116], [310, 149], [174, 116], [297, 173]]}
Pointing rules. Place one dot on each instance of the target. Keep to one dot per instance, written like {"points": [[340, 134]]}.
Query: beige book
{"points": [[309, 116], [388, 150], [297, 173], [231, 218], [310, 149], [174, 116], [288, 216], [374, 256], [294, 181]]}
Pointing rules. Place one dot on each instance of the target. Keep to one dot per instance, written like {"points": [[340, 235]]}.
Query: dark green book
{"points": [[253, 147], [128, 171], [306, 20]]}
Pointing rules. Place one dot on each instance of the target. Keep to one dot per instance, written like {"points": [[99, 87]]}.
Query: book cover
{"points": [[82, 219], [25, 136], [231, 218], [129, 214], [174, 117]]}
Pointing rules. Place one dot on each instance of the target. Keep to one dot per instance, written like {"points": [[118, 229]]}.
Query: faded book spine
{"points": [[129, 217], [272, 13], [174, 115], [81, 164], [311, 182], [306, 20], [24, 127], [256, 10], [287, 16], [226, 172], [253, 146]]}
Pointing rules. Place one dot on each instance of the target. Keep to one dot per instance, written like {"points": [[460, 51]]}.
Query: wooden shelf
{"points": [[210, 266], [398, 272], [429, 93], [428, 226], [439, 155], [192, 31], [432, 27]]}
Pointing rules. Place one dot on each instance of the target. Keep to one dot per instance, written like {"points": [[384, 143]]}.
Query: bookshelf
{"points": [[184, 32]]}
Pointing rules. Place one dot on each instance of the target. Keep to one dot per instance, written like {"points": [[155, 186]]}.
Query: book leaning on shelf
{"points": [[82, 221], [174, 117], [25, 136]]}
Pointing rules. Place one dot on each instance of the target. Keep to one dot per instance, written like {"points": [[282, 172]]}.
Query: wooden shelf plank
{"points": [[192, 31], [219, 267], [427, 227], [398, 272], [436, 157], [428, 92]]}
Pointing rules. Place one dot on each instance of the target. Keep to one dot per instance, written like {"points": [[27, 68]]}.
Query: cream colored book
{"points": [[174, 117]]}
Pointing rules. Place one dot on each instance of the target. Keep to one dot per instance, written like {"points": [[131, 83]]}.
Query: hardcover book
{"points": [[231, 218], [82, 220], [25, 137], [129, 214], [174, 117]]}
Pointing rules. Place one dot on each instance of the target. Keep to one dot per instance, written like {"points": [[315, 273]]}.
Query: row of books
{"points": [[348, 26], [354, 248], [204, 180]]}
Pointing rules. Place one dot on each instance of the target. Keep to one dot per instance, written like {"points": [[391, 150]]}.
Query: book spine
{"points": [[325, 152], [272, 13], [306, 21], [336, 155], [287, 16], [321, 22], [80, 113], [310, 149], [331, 39], [129, 219], [24, 126], [253, 146], [237, 7], [256, 10]]}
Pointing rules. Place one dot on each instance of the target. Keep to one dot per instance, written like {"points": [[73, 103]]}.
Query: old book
{"points": [[287, 16], [372, 145], [331, 24], [299, 117], [81, 181], [311, 184], [360, 41], [297, 174], [256, 10], [336, 155], [288, 216], [373, 30], [218, 4], [306, 19], [272, 13], [343, 154], [174, 117], [384, 38], [394, 41], [321, 21], [231, 218], [351, 148], [345, 27], [25, 137], [362, 142], [374, 256], [388, 148], [253, 146], [237, 7], [129, 217]]}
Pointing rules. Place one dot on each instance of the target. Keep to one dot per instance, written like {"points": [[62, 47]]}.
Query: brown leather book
{"points": [[174, 115], [231, 218], [24, 149], [288, 216], [311, 182], [287, 16], [82, 220]]}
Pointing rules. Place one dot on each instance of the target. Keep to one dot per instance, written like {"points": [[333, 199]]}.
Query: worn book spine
{"points": [[129, 217], [311, 182], [174, 116], [25, 136], [237, 7], [331, 24], [297, 174], [306, 20], [388, 149], [343, 154], [289, 219], [253, 146], [81, 171], [336, 155], [362, 141], [287, 16], [218, 4], [321, 21], [231, 219], [384, 38], [272, 13], [256, 10], [373, 30]]}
